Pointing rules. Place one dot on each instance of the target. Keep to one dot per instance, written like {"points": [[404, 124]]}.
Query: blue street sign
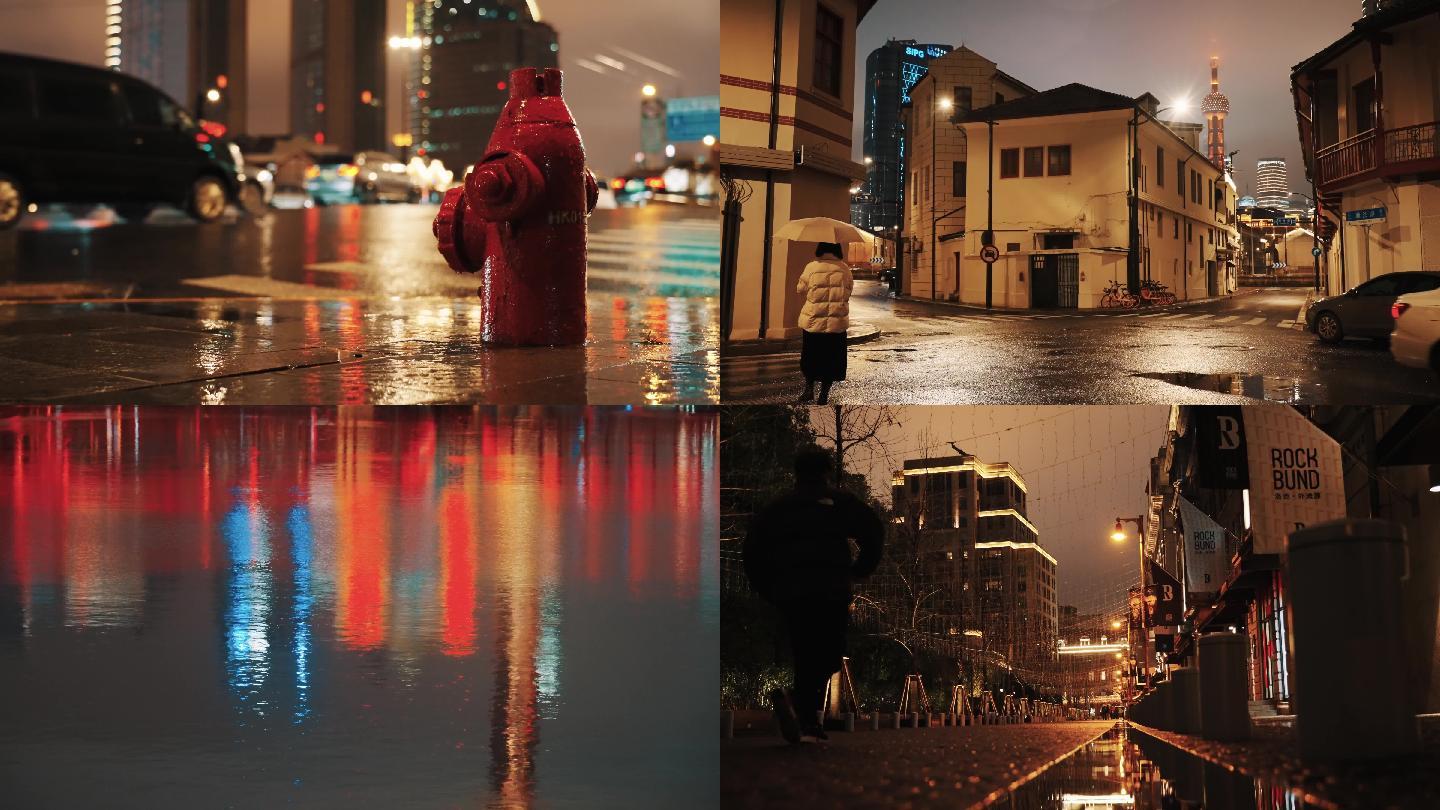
{"points": [[691, 119], [1315, 251], [1365, 215], [1285, 220]]}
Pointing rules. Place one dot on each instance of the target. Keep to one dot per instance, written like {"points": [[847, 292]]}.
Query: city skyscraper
{"points": [[460, 80], [338, 72], [194, 50], [890, 71], [1216, 107], [1272, 188]]}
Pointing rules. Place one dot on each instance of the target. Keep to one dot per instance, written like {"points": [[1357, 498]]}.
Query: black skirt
{"points": [[822, 356]]}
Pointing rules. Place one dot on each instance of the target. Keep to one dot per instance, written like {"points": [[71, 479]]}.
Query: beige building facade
{"points": [[784, 149], [1368, 110], [1061, 201], [937, 164]]}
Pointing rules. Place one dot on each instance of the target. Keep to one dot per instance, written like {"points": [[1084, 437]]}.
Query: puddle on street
{"points": [[1257, 386], [1129, 769]]}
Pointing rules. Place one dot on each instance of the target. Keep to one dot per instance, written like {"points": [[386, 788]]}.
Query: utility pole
{"points": [[988, 238]]}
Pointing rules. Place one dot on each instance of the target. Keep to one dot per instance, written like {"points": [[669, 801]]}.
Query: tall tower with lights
{"points": [[1215, 106]]}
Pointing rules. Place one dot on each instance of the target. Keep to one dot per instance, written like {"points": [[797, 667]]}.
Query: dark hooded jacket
{"points": [[798, 546]]}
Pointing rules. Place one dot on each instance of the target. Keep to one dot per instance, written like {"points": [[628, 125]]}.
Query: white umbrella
{"points": [[820, 229]]}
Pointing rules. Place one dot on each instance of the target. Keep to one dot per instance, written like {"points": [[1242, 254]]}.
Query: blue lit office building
{"points": [[890, 71]]}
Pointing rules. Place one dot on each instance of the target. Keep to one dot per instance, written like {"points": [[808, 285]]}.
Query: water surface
{"points": [[369, 606]]}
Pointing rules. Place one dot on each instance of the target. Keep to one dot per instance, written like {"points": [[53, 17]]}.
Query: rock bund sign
{"points": [[1296, 475]]}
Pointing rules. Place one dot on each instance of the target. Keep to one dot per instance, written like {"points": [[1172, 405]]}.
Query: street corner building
{"points": [[786, 107], [1369, 126], [1078, 189]]}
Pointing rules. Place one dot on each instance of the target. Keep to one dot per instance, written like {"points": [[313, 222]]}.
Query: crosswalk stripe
{"points": [[1227, 318], [1285, 324], [1256, 321], [1206, 316]]}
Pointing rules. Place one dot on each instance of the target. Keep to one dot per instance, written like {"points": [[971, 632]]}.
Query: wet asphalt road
{"points": [[347, 304], [1231, 350]]}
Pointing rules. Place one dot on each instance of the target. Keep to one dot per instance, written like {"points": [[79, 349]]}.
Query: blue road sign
{"points": [[1315, 251], [1285, 220], [1365, 215], [691, 119]]}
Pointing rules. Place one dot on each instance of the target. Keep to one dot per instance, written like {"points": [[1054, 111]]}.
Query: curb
{"points": [[1091, 310], [859, 333]]}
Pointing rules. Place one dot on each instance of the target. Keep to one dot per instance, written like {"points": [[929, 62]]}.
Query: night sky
{"points": [[684, 42], [1083, 467], [1133, 46]]}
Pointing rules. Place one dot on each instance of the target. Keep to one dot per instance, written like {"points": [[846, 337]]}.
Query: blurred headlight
{"points": [[236, 156], [264, 176]]}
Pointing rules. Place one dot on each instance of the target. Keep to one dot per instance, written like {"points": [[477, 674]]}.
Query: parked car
{"points": [[76, 134], [259, 185], [636, 188], [362, 177], [1364, 311], [1416, 339]]}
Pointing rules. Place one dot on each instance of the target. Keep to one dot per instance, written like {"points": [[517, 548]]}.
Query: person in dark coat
{"points": [[797, 555]]}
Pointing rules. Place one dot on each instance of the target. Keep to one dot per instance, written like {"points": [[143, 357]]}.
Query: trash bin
{"points": [[1347, 652], [1185, 697], [1224, 686]]}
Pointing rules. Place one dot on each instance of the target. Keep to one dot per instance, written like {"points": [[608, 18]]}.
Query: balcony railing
{"points": [[1399, 149]]}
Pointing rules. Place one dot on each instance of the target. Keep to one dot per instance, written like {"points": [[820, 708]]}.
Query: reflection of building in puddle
{"points": [[247, 602]]}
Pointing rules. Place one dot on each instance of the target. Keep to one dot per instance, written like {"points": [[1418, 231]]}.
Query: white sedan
{"points": [[1416, 339]]}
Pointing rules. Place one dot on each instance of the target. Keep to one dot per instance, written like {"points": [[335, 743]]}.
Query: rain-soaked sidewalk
{"points": [[948, 766], [347, 306], [414, 351]]}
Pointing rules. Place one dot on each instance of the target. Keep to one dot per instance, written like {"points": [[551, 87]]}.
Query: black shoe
{"points": [[814, 734], [785, 716]]}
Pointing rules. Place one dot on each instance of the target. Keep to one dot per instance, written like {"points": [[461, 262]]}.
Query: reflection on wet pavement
{"points": [[1126, 768], [341, 306], [391, 607], [1257, 386]]}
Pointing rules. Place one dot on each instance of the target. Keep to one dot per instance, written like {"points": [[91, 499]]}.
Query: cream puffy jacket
{"points": [[826, 285]]}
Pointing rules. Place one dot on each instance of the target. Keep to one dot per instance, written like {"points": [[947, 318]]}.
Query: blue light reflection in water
{"points": [[387, 607], [247, 604]]}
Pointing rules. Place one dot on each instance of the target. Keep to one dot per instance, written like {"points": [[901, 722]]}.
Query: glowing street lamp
{"points": [[212, 95]]}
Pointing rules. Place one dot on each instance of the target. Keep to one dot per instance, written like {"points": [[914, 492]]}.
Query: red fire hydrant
{"points": [[519, 220]]}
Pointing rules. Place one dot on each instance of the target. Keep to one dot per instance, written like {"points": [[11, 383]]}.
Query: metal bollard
{"points": [[875, 720], [1185, 716], [727, 725], [897, 719], [849, 721], [1349, 665], [1163, 708], [1224, 691]]}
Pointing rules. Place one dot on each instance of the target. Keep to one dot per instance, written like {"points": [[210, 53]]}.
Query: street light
{"points": [[212, 95], [868, 160], [1115, 625]]}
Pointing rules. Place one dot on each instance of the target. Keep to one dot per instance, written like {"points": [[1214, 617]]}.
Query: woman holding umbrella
{"points": [[826, 284]]}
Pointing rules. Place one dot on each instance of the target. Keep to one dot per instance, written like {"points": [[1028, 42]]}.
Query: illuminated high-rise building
{"points": [[338, 72], [1216, 107], [890, 71], [964, 521], [460, 80], [194, 50], [1272, 188]]}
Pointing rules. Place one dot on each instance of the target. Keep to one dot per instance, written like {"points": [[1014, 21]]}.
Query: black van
{"points": [[71, 133]]}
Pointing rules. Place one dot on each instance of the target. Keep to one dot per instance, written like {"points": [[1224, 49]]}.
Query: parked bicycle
{"points": [[1116, 296], [1153, 293]]}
